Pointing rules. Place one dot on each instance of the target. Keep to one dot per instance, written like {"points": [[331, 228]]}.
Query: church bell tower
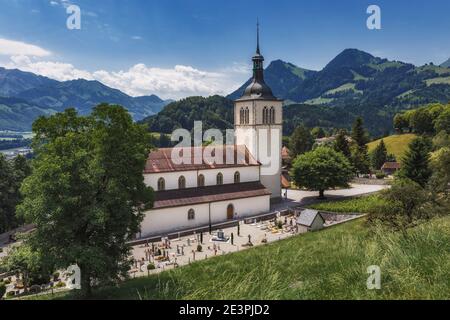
{"points": [[258, 122]]}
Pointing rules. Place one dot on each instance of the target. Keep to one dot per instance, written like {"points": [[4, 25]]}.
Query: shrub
{"points": [[151, 266], [56, 276], [7, 281], [199, 248], [60, 284], [10, 294], [380, 175]]}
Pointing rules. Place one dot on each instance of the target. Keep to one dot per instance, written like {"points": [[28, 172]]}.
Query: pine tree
{"points": [[341, 144], [360, 157], [301, 141], [416, 162], [359, 134], [379, 156]]}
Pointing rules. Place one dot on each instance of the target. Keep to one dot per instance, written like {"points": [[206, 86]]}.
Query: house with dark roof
{"points": [[389, 168]]}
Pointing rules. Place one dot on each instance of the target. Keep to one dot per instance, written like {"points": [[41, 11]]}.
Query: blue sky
{"points": [[176, 48]]}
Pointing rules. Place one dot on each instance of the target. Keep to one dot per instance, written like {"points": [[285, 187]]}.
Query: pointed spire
{"points": [[257, 36]]}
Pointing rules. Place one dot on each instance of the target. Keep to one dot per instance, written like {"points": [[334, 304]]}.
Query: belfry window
{"points": [[247, 116], [265, 116], [272, 115]]}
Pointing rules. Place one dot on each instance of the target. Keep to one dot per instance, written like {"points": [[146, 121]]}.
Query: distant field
{"points": [[440, 80], [395, 144], [329, 264]]}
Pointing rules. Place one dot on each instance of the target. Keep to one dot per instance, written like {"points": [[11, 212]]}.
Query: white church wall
{"points": [[171, 179], [168, 220], [247, 174], [243, 208]]}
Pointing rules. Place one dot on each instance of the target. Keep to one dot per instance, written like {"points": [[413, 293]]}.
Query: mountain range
{"points": [[357, 78], [446, 64], [24, 96], [355, 83]]}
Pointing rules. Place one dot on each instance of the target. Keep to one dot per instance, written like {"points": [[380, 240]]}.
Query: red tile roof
{"points": [[191, 196], [160, 160]]}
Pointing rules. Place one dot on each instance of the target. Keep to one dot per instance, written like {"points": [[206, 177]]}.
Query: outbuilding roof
{"points": [[308, 216]]}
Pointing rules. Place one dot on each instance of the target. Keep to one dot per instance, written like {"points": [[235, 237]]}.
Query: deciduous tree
{"points": [[321, 169], [87, 193]]}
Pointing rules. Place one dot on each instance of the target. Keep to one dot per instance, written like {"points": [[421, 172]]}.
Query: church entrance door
{"points": [[230, 212]]}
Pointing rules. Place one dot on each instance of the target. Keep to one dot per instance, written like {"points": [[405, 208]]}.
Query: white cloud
{"points": [[177, 82], [136, 37], [11, 47], [55, 70]]}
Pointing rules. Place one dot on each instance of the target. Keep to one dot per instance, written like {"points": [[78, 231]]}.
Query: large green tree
{"points": [[416, 161], [87, 193], [442, 122], [301, 141], [379, 156], [321, 169], [9, 195], [400, 122]]}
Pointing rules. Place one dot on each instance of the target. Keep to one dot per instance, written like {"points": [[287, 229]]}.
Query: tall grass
{"points": [[330, 264]]}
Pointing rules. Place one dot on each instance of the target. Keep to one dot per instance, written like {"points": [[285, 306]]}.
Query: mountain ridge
{"points": [[42, 96]]}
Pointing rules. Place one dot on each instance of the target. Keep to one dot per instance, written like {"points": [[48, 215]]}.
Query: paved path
{"points": [[297, 198]]}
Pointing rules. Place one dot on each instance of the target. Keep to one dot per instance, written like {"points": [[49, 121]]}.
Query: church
{"points": [[191, 195]]}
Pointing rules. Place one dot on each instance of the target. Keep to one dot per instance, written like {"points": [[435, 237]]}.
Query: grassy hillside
{"points": [[330, 264], [395, 144]]}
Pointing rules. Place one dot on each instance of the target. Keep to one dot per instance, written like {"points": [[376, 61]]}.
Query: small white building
{"points": [[310, 220]]}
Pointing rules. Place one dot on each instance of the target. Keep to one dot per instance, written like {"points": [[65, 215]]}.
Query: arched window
{"points": [[182, 182], [272, 115], [247, 116], [201, 181], [161, 184], [219, 179], [191, 214], [241, 116], [265, 117], [237, 177]]}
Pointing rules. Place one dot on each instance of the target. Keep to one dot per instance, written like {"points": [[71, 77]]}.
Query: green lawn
{"points": [[329, 264], [356, 205], [395, 144]]}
